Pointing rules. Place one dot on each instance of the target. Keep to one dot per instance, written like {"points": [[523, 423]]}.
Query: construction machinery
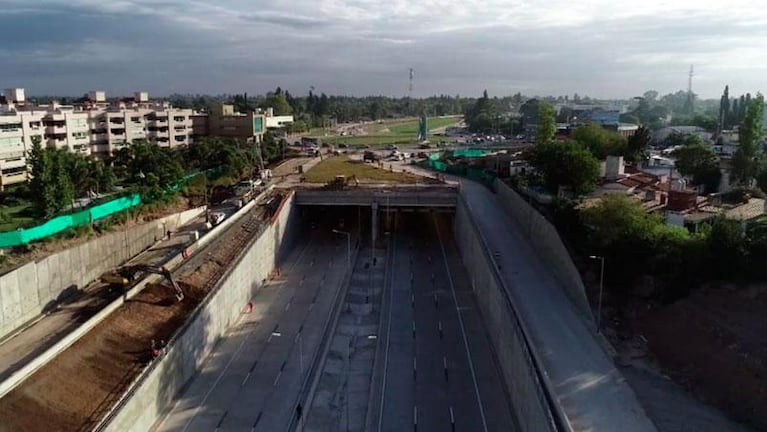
{"points": [[337, 183], [126, 275]]}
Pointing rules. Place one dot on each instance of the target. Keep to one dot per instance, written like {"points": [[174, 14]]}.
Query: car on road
{"points": [[391, 147], [424, 146], [342, 145]]}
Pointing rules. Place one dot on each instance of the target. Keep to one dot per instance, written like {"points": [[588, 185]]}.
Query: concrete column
{"points": [[374, 224]]}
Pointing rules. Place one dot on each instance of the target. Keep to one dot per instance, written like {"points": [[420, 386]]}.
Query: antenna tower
{"points": [[689, 81], [410, 84]]}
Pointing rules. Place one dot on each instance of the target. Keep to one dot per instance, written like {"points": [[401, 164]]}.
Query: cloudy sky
{"points": [[603, 48]]}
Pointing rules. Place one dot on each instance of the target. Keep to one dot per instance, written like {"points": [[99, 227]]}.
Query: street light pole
{"points": [[301, 352], [348, 246], [601, 286]]}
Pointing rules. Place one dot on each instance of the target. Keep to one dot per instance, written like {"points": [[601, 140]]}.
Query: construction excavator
{"points": [[126, 275]]}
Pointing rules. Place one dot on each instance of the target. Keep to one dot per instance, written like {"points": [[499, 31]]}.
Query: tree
{"points": [[726, 241], [567, 165], [697, 160], [481, 116], [747, 158], [42, 185], [600, 141], [547, 129], [637, 145], [724, 109], [279, 103], [650, 95]]}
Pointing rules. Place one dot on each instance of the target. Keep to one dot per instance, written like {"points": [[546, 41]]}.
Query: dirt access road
{"points": [[77, 388]]}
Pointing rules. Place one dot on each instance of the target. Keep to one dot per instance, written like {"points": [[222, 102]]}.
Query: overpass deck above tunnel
{"points": [[388, 195]]}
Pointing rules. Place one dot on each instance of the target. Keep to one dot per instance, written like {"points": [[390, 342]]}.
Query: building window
{"points": [[179, 118], [14, 171], [9, 127]]}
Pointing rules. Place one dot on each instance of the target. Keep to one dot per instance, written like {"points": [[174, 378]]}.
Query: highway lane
{"points": [[439, 368], [593, 393], [250, 380]]}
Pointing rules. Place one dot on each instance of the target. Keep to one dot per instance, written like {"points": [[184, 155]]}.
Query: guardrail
{"points": [[311, 380], [547, 394], [19, 376]]}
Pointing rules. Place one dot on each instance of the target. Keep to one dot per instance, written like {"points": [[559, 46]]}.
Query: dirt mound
{"points": [[713, 343]]}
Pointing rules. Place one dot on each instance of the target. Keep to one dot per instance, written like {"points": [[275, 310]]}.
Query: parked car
{"points": [[424, 146]]}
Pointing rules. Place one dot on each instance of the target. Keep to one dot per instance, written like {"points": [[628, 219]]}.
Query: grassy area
{"points": [[15, 217], [371, 140], [328, 169], [404, 132], [411, 128]]}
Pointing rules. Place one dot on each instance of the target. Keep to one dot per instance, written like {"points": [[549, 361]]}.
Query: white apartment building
{"points": [[94, 128]]}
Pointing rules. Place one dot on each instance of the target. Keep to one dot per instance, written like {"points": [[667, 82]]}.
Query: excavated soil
{"points": [[75, 390], [714, 344]]}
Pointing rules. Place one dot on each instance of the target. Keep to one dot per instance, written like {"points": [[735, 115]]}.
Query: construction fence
{"points": [[436, 162], [65, 222], [62, 223]]}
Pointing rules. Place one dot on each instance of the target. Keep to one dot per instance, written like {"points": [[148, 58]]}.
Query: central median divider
{"points": [[152, 392], [534, 403], [18, 377], [311, 380]]}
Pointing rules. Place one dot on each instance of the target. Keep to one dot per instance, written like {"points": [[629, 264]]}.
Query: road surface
{"points": [[438, 370], [593, 393], [252, 378]]}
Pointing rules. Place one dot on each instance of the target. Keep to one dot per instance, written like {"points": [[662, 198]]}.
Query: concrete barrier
{"points": [[535, 407], [37, 287], [152, 393], [547, 244]]}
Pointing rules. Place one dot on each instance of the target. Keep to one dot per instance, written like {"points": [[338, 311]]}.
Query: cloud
{"points": [[599, 47]]}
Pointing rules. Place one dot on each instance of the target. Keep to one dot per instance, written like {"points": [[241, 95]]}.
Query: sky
{"points": [[600, 48]]}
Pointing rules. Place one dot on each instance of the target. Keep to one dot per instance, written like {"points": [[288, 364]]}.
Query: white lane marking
{"points": [[226, 368], [460, 321], [452, 417], [388, 330], [279, 374]]}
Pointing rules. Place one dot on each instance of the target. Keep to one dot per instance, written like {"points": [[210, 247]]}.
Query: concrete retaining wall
{"points": [[153, 391], [547, 244], [38, 286], [528, 399]]}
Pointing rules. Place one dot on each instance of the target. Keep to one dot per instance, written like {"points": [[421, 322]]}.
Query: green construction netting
{"points": [[64, 222], [478, 174]]}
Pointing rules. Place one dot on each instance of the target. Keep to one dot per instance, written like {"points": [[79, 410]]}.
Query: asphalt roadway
{"points": [[592, 392], [251, 379], [436, 368]]}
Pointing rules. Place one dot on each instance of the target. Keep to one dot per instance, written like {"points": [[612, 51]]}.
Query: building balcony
{"points": [[55, 129], [16, 162], [9, 179], [56, 142], [10, 153]]}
